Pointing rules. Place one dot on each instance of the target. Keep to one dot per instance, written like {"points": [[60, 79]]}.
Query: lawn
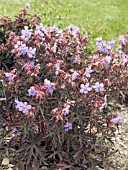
{"points": [[103, 18]]}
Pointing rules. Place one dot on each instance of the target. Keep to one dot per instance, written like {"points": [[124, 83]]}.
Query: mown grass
{"points": [[108, 19]]}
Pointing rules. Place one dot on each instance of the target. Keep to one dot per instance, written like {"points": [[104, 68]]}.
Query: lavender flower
{"points": [[66, 110], [99, 87], [68, 126], [15, 130], [112, 43], [27, 6], [20, 47], [49, 86], [29, 64], [9, 76], [125, 61], [31, 52], [85, 88], [32, 91], [74, 75], [107, 61], [22, 106], [75, 59], [117, 120], [73, 30], [26, 33], [122, 39], [88, 71], [62, 86]]}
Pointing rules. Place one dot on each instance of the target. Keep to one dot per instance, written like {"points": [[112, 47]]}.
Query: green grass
{"points": [[108, 19]]}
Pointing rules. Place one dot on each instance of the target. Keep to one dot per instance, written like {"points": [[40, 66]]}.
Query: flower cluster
{"points": [[104, 47]]}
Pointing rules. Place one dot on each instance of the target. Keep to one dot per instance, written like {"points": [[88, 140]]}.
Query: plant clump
{"points": [[58, 110]]}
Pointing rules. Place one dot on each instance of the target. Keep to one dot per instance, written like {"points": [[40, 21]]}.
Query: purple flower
{"points": [[107, 61], [88, 71], [39, 35], [117, 120], [29, 64], [122, 39], [112, 43], [97, 158], [125, 61], [54, 162], [22, 106], [68, 126], [75, 59], [62, 86], [74, 31], [22, 48], [104, 47], [9, 76], [99, 87], [49, 86], [15, 130], [31, 52], [85, 88], [74, 75], [26, 33], [32, 91]]}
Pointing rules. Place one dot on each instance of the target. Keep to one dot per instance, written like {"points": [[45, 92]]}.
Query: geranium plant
{"points": [[58, 99]]}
